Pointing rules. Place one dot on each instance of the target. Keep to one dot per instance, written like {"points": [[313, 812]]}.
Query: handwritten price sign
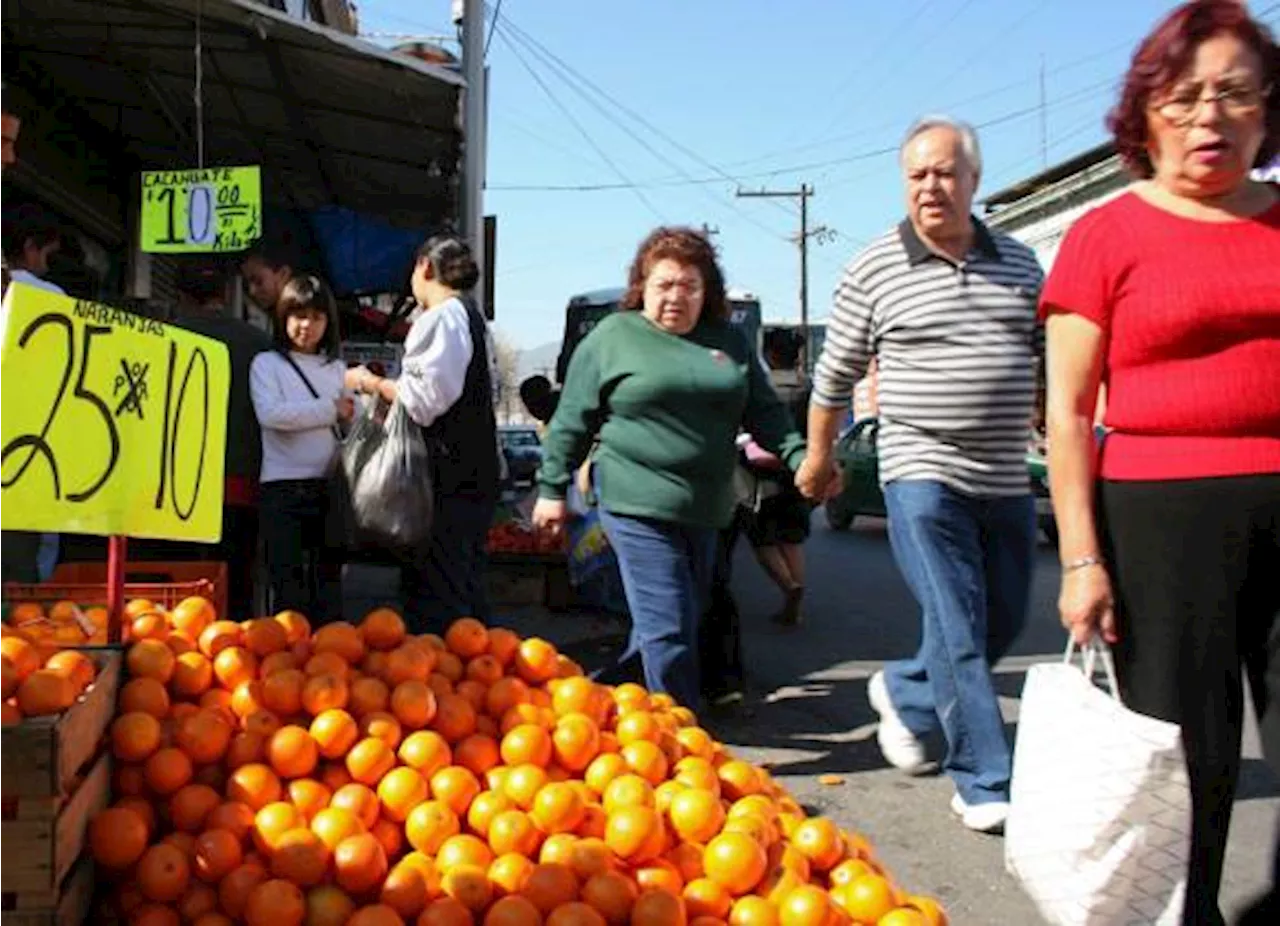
{"points": [[201, 210], [110, 423]]}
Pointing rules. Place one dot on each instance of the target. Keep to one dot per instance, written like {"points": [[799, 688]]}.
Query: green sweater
{"points": [[667, 410]]}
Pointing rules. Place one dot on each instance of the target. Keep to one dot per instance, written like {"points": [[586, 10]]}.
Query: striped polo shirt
{"points": [[956, 347]]}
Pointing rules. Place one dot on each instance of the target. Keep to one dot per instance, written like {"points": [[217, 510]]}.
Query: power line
{"points": [[627, 183]]}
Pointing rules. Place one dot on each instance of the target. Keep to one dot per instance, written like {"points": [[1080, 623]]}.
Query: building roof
{"points": [[1061, 171]]}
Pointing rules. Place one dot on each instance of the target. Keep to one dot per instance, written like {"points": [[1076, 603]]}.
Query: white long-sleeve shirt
{"points": [[297, 428], [437, 352]]}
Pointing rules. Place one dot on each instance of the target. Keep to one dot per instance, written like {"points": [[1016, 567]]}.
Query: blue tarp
{"points": [[363, 254]]}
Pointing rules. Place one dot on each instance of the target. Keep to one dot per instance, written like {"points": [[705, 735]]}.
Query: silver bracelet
{"points": [[1081, 563]]}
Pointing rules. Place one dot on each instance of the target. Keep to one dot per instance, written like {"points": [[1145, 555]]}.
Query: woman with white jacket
{"points": [[298, 395]]}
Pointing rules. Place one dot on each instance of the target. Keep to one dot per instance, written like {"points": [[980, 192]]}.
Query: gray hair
{"points": [[966, 132]]}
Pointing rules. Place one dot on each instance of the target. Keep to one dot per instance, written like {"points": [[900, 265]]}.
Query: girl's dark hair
{"points": [[451, 261], [685, 246], [309, 293], [274, 253]]}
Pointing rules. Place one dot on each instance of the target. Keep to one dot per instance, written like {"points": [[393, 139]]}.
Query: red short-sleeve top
{"points": [[1191, 315]]}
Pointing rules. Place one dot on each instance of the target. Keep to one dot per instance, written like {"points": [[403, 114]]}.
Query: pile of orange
{"points": [[39, 679], [359, 775], [64, 624]]}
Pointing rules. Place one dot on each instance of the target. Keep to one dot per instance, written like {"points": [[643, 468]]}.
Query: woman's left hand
{"points": [[356, 377]]}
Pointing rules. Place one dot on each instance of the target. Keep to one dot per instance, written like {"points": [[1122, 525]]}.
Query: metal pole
{"points": [[805, 192], [473, 126]]}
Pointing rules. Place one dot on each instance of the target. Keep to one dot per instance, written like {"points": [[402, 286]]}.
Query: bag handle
{"points": [[1094, 650], [337, 432]]}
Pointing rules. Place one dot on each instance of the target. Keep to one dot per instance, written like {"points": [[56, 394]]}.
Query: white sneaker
{"points": [[901, 748], [981, 818]]}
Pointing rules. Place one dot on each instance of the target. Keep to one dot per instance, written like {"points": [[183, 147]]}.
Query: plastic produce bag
{"points": [[383, 496]]}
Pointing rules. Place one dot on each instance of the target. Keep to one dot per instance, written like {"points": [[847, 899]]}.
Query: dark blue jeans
{"points": [[444, 579], [968, 563], [666, 572]]}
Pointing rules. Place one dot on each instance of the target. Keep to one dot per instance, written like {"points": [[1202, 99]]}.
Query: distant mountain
{"points": [[540, 359]]}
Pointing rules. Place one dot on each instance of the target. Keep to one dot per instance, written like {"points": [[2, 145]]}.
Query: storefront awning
{"points": [[333, 120]]}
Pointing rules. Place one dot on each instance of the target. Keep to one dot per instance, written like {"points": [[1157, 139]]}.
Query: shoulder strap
{"points": [[297, 369]]}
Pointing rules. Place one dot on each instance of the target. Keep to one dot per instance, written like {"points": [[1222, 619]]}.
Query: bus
{"points": [[585, 310]]}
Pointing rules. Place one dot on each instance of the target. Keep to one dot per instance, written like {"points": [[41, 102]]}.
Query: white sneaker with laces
{"points": [[901, 748], [981, 818]]}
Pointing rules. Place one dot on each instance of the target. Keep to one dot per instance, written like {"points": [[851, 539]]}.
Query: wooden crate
{"points": [[44, 839], [42, 755], [72, 907]]}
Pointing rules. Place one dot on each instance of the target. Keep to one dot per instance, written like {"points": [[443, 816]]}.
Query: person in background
{"points": [[665, 384], [266, 268], [31, 238], [948, 308], [202, 309], [446, 386], [10, 127], [1170, 295], [298, 396], [779, 524]]}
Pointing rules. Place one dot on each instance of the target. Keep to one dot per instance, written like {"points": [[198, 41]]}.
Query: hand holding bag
{"points": [[1100, 813]]}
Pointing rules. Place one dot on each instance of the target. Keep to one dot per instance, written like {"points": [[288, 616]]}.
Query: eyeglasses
{"points": [[1233, 100]]}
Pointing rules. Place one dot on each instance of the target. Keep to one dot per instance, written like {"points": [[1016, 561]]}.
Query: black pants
{"points": [[305, 573], [720, 633], [445, 578], [1196, 572]]}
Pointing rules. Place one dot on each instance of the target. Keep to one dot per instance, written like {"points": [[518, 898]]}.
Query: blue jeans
{"points": [[968, 563], [666, 571]]}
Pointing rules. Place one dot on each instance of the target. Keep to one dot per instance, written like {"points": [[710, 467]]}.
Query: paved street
{"points": [[809, 717]]}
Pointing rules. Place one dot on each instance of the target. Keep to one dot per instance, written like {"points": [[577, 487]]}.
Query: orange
{"points": [[324, 692], [426, 751], [191, 616], [235, 665], [647, 760], [204, 735], [272, 822], [409, 886], [163, 873], [929, 909], [128, 780], [478, 753], [246, 699], [738, 779], [328, 904], [486, 806], [558, 850], [255, 785], [535, 660], [117, 837], [513, 910], [604, 769], [659, 874], [408, 663], [469, 885], [75, 665], [295, 625], [135, 736], [753, 911], [576, 696], [300, 856], [467, 637], [281, 690], [513, 831], [628, 791], [868, 898], [145, 810], [263, 722], [636, 833], [369, 760], [456, 787], [376, 915], [358, 800], [359, 863], [504, 694], [383, 629], [368, 696], [590, 856], [612, 895], [184, 841], [704, 897], [334, 775], [575, 741], [464, 849], [148, 627], [335, 732], [696, 815], [658, 908], [327, 663], [575, 914], [292, 752], [636, 726], [166, 770], [509, 873], [215, 855], [200, 901], [548, 886], [429, 825], [153, 915], [150, 659], [527, 744], [190, 807], [341, 638], [455, 718], [218, 636], [45, 692], [275, 903], [446, 912], [736, 861], [235, 889], [903, 916], [523, 783], [309, 796], [559, 808], [414, 704], [696, 742], [806, 905], [818, 839], [264, 636], [400, 791], [245, 748], [484, 669], [334, 824], [233, 816]]}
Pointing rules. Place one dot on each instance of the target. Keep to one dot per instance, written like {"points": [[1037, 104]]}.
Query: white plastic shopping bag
{"points": [[1100, 817]]}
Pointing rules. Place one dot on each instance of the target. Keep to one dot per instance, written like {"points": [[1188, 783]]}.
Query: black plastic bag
{"points": [[381, 495]]}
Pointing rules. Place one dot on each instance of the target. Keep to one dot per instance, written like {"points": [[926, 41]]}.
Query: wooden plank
{"points": [[70, 907], [35, 855], [42, 755]]}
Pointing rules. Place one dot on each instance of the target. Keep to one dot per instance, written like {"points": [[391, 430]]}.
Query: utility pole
{"points": [[802, 239], [469, 15]]}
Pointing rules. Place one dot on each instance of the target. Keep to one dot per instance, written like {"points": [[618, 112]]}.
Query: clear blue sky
{"points": [[766, 93]]}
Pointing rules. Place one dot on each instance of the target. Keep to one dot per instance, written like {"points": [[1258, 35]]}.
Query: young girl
{"points": [[297, 392]]}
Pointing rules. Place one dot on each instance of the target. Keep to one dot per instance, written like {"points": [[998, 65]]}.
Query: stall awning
{"points": [[333, 120]]}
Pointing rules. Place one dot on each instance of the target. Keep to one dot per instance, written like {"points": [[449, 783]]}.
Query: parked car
{"points": [[523, 450], [856, 453]]}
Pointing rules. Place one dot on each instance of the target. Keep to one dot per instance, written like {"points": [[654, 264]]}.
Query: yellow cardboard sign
{"points": [[201, 209], [110, 423]]}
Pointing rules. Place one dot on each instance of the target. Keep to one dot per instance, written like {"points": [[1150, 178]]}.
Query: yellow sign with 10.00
{"points": [[201, 209], [110, 423]]}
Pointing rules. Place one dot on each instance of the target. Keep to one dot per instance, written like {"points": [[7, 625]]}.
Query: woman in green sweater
{"points": [[665, 389]]}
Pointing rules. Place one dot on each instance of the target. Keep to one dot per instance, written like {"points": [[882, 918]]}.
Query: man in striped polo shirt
{"points": [[948, 309]]}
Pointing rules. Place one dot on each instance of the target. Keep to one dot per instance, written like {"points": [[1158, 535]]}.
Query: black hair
{"points": [[28, 223], [275, 253], [202, 281], [451, 261], [784, 346], [303, 293]]}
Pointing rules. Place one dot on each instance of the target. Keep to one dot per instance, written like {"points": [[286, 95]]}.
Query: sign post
{"points": [[201, 210], [110, 424]]}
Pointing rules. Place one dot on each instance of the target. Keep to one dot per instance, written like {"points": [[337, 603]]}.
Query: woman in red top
{"points": [[1170, 296]]}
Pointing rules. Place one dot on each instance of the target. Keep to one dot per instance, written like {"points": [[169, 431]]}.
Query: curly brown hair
{"points": [[1167, 51], [685, 246]]}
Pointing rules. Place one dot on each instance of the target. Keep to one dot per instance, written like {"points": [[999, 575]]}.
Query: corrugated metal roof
{"points": [[332, 119]]}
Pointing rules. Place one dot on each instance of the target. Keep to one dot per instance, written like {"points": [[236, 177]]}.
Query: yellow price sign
{"points": [[110, 423], [201, 209]]}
